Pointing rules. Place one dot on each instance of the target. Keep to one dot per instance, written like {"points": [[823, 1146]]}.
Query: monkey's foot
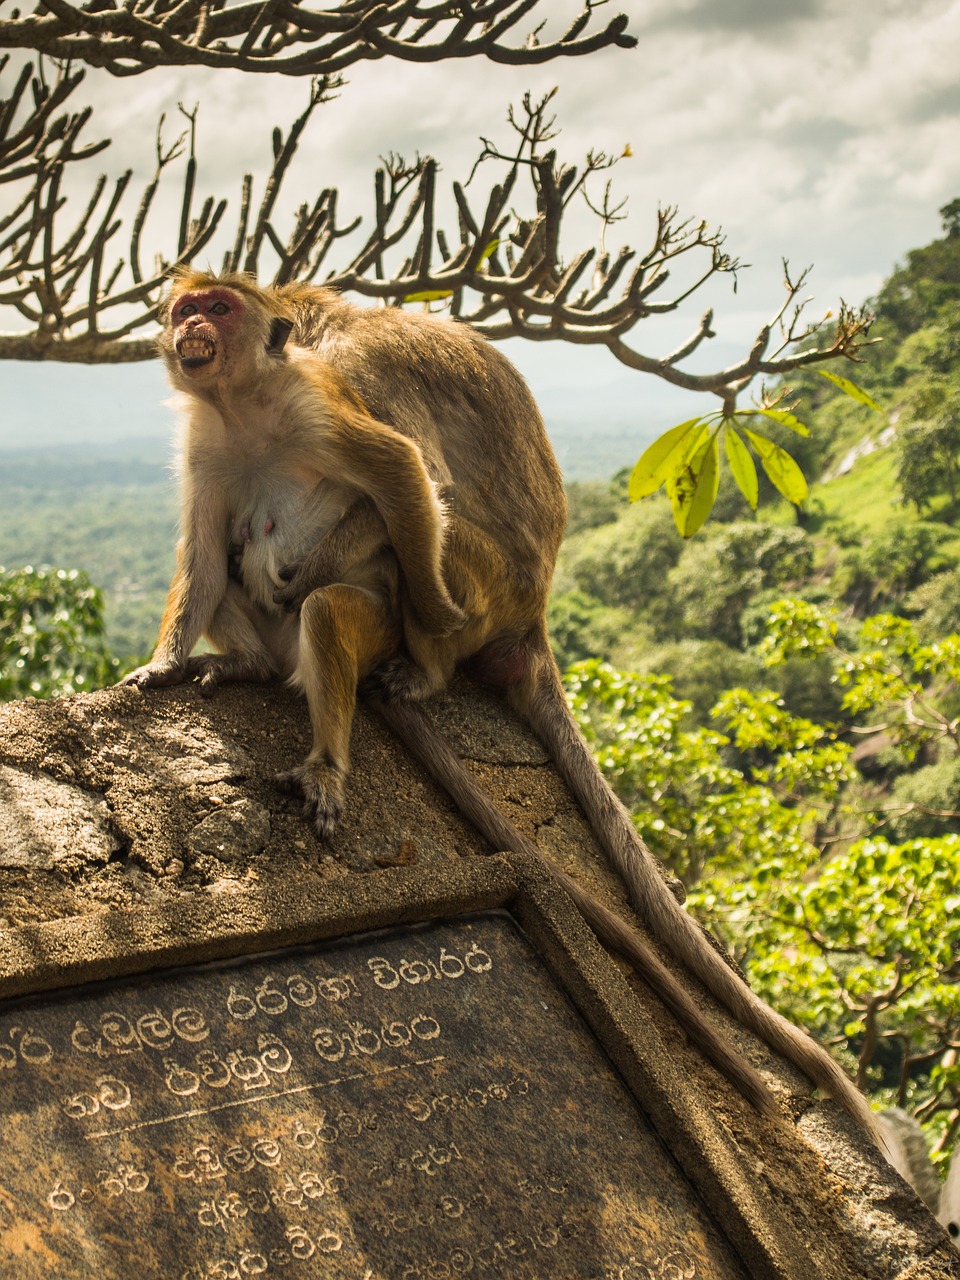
{"points": [[322, 788], [400, 680]]}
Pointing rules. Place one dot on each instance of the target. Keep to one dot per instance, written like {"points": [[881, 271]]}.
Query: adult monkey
{"points": [[276, 448], [484, 441]]}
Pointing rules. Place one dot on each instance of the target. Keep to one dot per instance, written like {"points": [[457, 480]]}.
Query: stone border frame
{"points": [[51, 957]]}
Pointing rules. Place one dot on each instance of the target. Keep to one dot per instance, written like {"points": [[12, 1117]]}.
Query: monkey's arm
{"points": [[356, 537], [389, 467], [198, 586]]}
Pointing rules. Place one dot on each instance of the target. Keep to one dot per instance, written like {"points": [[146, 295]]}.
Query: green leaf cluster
{"points": [[689, 797], [51, 634], [863, 953], [685, 461]]}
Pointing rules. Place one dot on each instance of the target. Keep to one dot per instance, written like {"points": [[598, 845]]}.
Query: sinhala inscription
{"points": [[422, 1105]]}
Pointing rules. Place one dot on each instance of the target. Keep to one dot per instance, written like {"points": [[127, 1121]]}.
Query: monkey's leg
{"points": [[344, 632], [242, 653]]}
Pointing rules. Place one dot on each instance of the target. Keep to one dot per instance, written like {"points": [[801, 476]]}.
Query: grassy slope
{"points": [[865, 500]]}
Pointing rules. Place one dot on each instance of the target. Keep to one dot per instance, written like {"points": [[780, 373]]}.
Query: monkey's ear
{"points": [[279, 333]]}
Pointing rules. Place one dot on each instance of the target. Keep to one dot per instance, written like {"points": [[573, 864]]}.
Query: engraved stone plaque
{"points": [[422, 1104]]}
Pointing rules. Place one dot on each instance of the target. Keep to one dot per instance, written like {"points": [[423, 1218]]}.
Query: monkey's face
{"points": [[205, 325]]}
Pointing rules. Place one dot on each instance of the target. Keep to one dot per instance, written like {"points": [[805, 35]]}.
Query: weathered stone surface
{"points": [[44, 823], [232, 833], [126, 751], [366, 1108]]}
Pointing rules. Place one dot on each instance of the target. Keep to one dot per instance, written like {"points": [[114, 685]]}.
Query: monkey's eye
{"points": [[188, 309], [219, 309]]}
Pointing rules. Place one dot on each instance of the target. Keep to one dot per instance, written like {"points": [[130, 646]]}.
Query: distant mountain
{"points": [[47, 404]]}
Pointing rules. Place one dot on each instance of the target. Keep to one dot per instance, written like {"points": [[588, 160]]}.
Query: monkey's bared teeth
{"points": [[195, 351]]}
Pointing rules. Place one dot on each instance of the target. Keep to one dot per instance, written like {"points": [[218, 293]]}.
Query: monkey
{"points": [[278, 457], [484, 441], [275, 449], [383, 490]]}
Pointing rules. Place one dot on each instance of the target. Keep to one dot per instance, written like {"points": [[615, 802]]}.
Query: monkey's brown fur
{"points": [[483, 438], [482, 441]]}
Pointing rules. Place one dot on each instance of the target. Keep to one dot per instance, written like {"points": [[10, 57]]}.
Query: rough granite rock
{"points": [[122, 799]]}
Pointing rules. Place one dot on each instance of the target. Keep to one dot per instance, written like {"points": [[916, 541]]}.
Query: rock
{"points": [[45, 823], [235, 832]]}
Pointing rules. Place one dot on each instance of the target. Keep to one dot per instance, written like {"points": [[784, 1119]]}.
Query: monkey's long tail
{"points": [[416, 732], [541, 700]]}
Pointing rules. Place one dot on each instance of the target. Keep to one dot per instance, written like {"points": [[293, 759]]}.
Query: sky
{"points": [[820, 132]]}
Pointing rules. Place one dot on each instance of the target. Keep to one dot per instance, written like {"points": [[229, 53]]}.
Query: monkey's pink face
{"points": [[204, 324]]}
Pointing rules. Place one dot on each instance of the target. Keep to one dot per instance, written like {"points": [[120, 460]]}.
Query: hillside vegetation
{"points": [[878, 532], [108, 510]]}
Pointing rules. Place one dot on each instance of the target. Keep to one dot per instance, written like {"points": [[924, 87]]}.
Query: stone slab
{"points": [[268, 1085], [417, 1104], [143, 881]]}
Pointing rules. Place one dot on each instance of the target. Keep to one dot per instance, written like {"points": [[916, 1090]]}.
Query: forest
{"points": [[776, 699]]}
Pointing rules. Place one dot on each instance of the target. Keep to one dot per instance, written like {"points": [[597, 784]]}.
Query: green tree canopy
{"points": [[51, 634]]}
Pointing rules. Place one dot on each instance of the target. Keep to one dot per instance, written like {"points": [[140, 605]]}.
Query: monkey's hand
{"points": [[210, 670], [299, 579], [156, 675]]}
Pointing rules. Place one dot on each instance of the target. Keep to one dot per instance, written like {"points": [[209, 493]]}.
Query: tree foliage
{"points": [[51, 634], [685, 461], [929, 453], [850, 932], [689, 800], [861, 949], [872, 574]]}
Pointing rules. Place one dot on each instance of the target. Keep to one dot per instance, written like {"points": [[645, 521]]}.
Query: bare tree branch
{"points": [[503, 268], [285, 36]]}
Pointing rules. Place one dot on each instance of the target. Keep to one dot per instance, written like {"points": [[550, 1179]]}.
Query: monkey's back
{"points": [[468, 408]]}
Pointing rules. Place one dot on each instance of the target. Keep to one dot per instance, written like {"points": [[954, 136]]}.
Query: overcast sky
{"points": [[822, 132]]}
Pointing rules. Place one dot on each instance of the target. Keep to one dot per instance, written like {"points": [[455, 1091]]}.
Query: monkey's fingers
{"points": [[291, 596], [154, 676], [322, 789], [214, 669], [303, 578]]}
